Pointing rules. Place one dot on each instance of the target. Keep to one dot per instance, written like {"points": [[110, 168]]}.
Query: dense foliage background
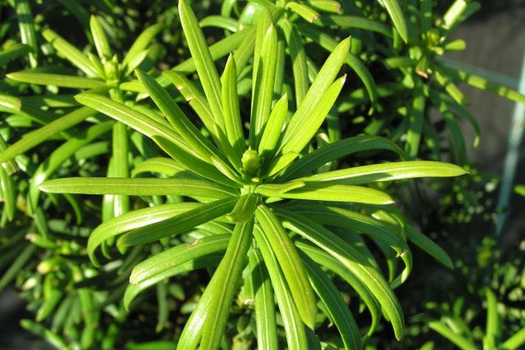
{"points": [[400, 97]]}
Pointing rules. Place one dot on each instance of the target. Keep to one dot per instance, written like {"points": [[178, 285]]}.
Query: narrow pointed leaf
{"points": [[68, 81], [314, 96], [100, 38], [178, 224], [133, 220], [274, 127], [7, 193], [26, 25], [294, 327], [228, 274], [45, 132], [290, 263], [298, 59], [264, 303], [460, 341], [354, 261], [397, 16], [331, 192], [141, 43], [136, 187], [389, 172], [314, 119], [338, 149], [203, 60], [338, 311], [230, 106], [515, 341], [304, 11], [70, 52], [12, 52]]}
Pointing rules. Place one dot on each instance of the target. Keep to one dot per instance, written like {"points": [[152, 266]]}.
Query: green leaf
{"points": [[244, 208], [330, 192], [194, 164], [228, 275], [46, 334], [357, 23], [27, 28], [100, 38], [165, 166], [120, 165], [227, 23], [325, 5], [303, 10], [515, 341], [12, 52], [298, 59], [396, 14], [230, 106], [70, 52], [140, 44], [179, 223], [313, 98], [416, 118], [294, 327], [168, 260], [134, 220], [62, 153], [338, 149], [388, 172], [266, 331], [493, 328], [353, 261], [60, 80], [45, 132], [336, 307], [177, 118], [324, 259], [313, 119], [203, 60], [290, 263], [17, 265], [274, 126], [137, 187], [329, 44], [7, 193], [262, 96], [461, 342]]}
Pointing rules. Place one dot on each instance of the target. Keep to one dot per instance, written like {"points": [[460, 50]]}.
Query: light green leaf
{"points": [[329, 44], [27, 29], [12, 52], [228, 274], [100, 38], [357, 23], [493, 328], [203, 60], [264, 303], [324, 259], [515, 341], [325, 5], [134, 220], [278, 163], [264, 79], [353, 261], [120, 165], [141, 43], [298, 59], [416, 118], [460, 341], [388, 172], [70, 52], [313, 119], [179, 223], [303, 10], [60, 80], [163, 262], [336, 307], [7, 193], [290, 263], [227, 23], [230, 106], [320, 86], [274, 127], [137, 187], [330, 192], [294, 327], [338, 149], [177, 118], [165, 166], [45, 132], [395, 12], [244, 208]]}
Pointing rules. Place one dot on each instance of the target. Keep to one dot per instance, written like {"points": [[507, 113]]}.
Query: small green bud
{"points": [[112, 70], [251, 162]]}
